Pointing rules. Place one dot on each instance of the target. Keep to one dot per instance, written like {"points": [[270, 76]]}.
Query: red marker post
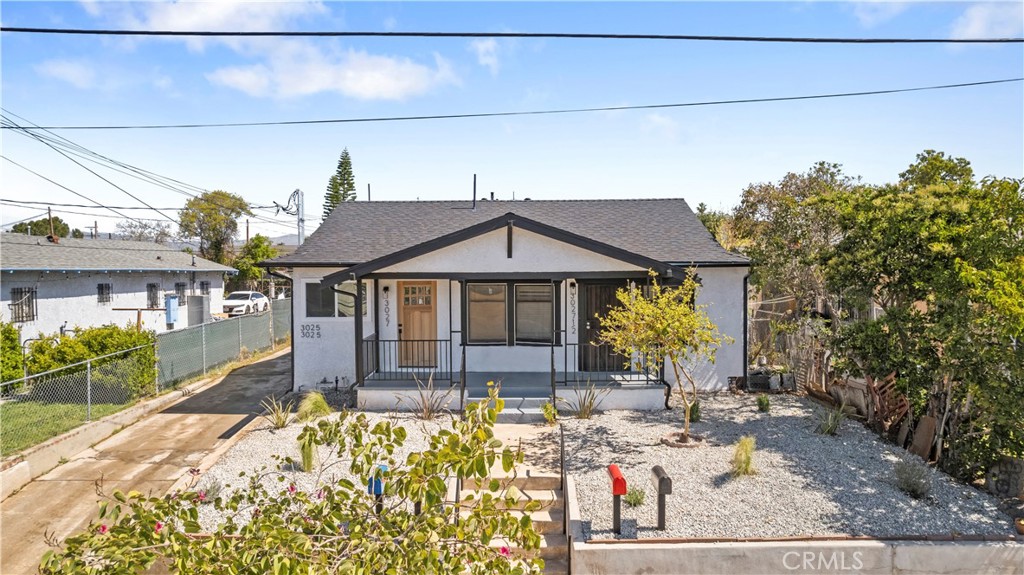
{"points": [[618, 490]]}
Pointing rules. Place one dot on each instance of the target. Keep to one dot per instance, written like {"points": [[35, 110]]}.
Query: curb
{"points": [[36, 461]]}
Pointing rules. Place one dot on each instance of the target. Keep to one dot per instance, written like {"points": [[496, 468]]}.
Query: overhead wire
{"points": [[532, 112], [536, 35]]}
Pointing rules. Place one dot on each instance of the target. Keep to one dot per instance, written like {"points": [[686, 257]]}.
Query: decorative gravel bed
{"points": [[806, 483], [256, 450]]}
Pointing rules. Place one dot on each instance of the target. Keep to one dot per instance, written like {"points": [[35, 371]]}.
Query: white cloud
{"points": [[662, 125], [285, 67], [486, 54], [390, 23], [991, 20], [78, 73], [871, 13], [295, 69]]}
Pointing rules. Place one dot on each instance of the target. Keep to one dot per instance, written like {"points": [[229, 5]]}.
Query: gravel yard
{"points": [[806, 483], [256, 450]]}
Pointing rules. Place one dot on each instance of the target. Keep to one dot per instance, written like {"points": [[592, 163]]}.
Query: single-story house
{"points": [[497, 290], [49, 286]]}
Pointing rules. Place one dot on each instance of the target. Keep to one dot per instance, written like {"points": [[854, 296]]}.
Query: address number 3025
{"points": [[309, 331]]}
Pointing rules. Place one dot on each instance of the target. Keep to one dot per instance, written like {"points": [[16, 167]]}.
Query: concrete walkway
{"points": [[148, 456]]}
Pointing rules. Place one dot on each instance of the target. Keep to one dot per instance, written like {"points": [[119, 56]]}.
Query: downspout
{"points": [[746, 324]]}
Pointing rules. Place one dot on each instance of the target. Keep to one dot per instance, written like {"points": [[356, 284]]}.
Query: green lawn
{"points": [[27, 423]]}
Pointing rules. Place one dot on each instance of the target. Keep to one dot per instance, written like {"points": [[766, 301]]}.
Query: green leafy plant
{"points": [[276, 412], [763, 403], [430, 401], [276, 527], [743, 456], [550, 412], [665, 324], [913, 477], [307, 447], [695, 412], [586, 400], [12, 364], [312, 406], [634, 497], [830, 418]]}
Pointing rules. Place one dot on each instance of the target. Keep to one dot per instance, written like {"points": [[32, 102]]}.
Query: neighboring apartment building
{"points": [[47, 286]]}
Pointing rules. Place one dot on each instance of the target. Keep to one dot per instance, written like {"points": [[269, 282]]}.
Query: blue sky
{"points": [[706, 154]]}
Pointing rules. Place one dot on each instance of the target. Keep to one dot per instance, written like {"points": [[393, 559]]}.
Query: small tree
{"points": [[342, 185], [665, 324], [256, 250]]}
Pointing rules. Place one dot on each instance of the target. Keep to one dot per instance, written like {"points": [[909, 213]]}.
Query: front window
{"points": [[23, 304], [535, 311], [487, 313], [322, 301]]}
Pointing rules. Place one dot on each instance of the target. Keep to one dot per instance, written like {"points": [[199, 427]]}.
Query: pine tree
{"points": [[342, 185]]}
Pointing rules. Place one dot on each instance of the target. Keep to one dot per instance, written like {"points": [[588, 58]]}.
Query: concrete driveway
{"points": [[148, 456]]}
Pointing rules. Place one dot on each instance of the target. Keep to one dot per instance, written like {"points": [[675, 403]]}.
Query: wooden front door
{"points": [[417, 330], [597, 300]]}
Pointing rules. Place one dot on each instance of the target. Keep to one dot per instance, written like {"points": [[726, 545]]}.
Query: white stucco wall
{"points": [[323, 347], [72, 298], [531, 252], [722, 291]]}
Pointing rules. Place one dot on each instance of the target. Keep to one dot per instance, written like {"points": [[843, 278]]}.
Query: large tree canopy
{"points": [[213, 218], [41, 227], [256, 250]]}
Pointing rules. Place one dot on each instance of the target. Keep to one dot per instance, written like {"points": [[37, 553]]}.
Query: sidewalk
{"points": [[148, 456]]}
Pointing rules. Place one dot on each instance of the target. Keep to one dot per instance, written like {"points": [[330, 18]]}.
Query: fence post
{"points": [[239, 320], [202, 329], [156, 362], [88, 390]]}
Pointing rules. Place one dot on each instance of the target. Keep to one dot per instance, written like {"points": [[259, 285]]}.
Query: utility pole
{"points": [[49, 216], [296, 207], [246, 230]]}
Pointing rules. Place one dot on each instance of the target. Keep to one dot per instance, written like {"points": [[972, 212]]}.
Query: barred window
{"points": [[104, 293], [204, 288], [23, 305], [180, 289], [153, 295]]}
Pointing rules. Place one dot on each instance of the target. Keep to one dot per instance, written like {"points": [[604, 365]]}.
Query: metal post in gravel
{"points": [[88, 391], [618, 490], [663, 485], [239, 320]]}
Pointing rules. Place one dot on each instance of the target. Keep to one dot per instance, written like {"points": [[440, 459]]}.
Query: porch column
{"points": [[358, 309]]}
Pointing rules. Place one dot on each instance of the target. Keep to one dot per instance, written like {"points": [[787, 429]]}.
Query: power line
{"points": [[531, 112], [8, 201], [545, 35], [91, 215]]}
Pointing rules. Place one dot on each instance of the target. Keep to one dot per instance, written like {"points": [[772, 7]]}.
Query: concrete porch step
{"points": [[556, 566], [525, 480], [516, 415], [553, 546], [544, 521], [548, 498]]}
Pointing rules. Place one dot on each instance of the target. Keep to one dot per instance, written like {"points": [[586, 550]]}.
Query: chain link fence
{"points": [[43, 405]]}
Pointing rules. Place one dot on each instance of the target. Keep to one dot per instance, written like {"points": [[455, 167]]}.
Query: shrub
{"points": [[313, 405], [550, 412], [763, 403], [209, 490], [276, 412], [913, 477], [830, 419], [307, 447], [695, 412], [429, 402], [743, 456], [634, 497], [12, 362], [586, 401]]}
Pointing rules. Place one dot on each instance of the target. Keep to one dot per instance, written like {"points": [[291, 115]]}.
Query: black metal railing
{"points": [[599, 363], [407, 360]]}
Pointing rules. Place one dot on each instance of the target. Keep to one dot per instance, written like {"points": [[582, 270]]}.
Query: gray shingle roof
{"points": [[22, 252], [662, 229]]}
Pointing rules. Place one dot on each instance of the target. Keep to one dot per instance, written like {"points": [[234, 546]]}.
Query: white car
{"points": [[243, 302]]}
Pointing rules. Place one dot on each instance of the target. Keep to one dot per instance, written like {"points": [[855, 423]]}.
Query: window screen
{"points": [[319, 300], [104, 293], [486, 313], [534, 313]]}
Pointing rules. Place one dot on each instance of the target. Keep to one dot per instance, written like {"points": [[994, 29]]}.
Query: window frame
{"points": [[152, 295], [204, 287], [22, 298], [469, 335], [104, 292], [181, 290], [510, 312], [335, 300]]}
